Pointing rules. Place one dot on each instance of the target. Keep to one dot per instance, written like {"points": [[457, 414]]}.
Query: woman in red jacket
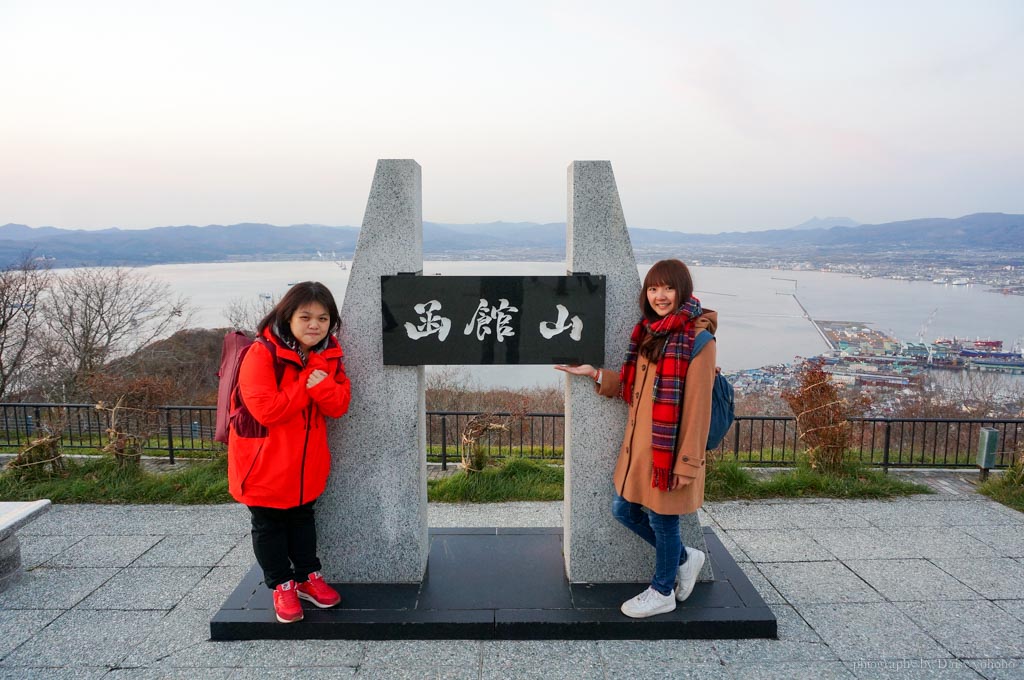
{"points": [[290, 381]]}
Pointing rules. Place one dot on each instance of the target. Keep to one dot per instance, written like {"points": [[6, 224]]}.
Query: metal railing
{"points": [[756, 440], [881, 442], [172, 429]]}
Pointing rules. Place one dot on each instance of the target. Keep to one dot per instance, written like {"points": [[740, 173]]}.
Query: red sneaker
{"points": [[286, 603], [317, 591]]}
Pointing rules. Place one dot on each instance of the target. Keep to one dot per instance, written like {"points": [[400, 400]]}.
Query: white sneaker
{"points": [[649, 603], [686, 577]]}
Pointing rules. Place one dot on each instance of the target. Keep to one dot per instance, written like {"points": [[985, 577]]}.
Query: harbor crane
{"points": [[926, 325]]}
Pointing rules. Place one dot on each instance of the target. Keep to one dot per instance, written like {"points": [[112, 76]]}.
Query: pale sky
{"points": [[716, 116]]}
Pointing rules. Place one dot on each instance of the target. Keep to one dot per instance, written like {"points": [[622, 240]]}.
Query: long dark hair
{"points": [[280, 317], [663, 273]]}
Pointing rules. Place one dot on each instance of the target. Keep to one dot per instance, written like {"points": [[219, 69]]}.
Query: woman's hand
{"points": [[678, 482], [585, 370], [315, 378]]}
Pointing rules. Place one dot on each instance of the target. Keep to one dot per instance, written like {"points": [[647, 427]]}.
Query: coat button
{"points": [[685, 459], [644, 367]]}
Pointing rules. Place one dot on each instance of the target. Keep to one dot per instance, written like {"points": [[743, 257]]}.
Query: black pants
{"points": [[285, 543]]}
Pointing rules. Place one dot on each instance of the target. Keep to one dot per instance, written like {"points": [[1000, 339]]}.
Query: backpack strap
{"points": [[236, 395], [278, 365], [698, 342]]}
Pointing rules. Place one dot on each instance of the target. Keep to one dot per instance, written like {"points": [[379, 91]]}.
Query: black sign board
{"points": [[493, 319]]}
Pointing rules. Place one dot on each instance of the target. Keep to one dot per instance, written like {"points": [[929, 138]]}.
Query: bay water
{"points": [[761, 320]]}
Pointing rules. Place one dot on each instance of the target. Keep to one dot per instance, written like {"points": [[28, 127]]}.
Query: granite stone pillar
{"points": [[597, 548], [372, 519]]}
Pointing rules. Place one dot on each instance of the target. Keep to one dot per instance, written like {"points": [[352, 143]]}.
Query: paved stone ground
{"points": [[924, 587]]}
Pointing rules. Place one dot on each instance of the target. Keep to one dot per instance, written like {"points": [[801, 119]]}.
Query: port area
{"points": [[864, 356]]}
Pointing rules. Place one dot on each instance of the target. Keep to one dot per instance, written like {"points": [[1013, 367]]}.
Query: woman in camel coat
{"points": [[659, 474]]}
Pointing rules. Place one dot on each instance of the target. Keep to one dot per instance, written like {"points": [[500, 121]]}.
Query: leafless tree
{"points": [[21, 289], [245, 314], [98, 314]]}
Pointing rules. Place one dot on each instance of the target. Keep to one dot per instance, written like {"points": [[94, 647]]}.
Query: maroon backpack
{"points": [[236, 344]]}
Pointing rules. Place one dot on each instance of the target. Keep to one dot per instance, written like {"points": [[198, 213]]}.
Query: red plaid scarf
{"points": [[668, 382]]}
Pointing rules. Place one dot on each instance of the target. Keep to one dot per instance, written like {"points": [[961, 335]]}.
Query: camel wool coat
{"points": [[633, 469]]}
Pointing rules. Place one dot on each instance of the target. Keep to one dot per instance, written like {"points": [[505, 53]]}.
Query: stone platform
{"points": [[503, 584]]}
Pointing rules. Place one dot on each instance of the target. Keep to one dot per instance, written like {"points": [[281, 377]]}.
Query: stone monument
{"points": [[372, 518], [597, 548]]}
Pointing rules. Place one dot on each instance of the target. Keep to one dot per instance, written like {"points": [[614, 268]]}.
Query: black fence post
{"points": [[170, 440], [736, 440], [444, 443], [885, 450]]}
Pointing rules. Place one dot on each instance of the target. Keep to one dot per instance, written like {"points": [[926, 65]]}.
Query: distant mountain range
{"points": [[502, 240]]}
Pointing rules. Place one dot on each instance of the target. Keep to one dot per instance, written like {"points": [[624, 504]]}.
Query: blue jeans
{"points": [[662, 532]]}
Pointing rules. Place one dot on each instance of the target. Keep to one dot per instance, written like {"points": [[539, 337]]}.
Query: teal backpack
{"points": [[723, 411]]}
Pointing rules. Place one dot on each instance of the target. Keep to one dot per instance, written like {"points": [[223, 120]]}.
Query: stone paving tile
{"points": [[986, 513], [794, 545], [905, 513], [653, 669], [16, 626], [74, 520], [229, 520], [1006, 540], [304, 653], [181, 639], [37, 549], [910, 580], [810, 582], [790, 671], [78, 673], [997, 578], [677, 652], [969, 629], [746, 515], [541, 659], [858, 543], [145, 588], [870, 631], [531, 514], [430, 653], [816, 515], [998, 669], [792, 626], [58, 588], [171, 674], [735, 551], [936, 542], [213, 589], [772, 651], [103, 551], [912, 669], [187, 551], [84, 638], [411, 672], [204, 654], [1014, 607], [896, 543], [767, 591], [241, 555], [1015, 515]]}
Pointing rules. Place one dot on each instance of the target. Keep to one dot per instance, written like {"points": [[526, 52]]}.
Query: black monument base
{"points": [[502, 584]]}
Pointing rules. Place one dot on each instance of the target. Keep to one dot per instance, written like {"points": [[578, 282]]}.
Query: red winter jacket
{"points": [[289, 466]]}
